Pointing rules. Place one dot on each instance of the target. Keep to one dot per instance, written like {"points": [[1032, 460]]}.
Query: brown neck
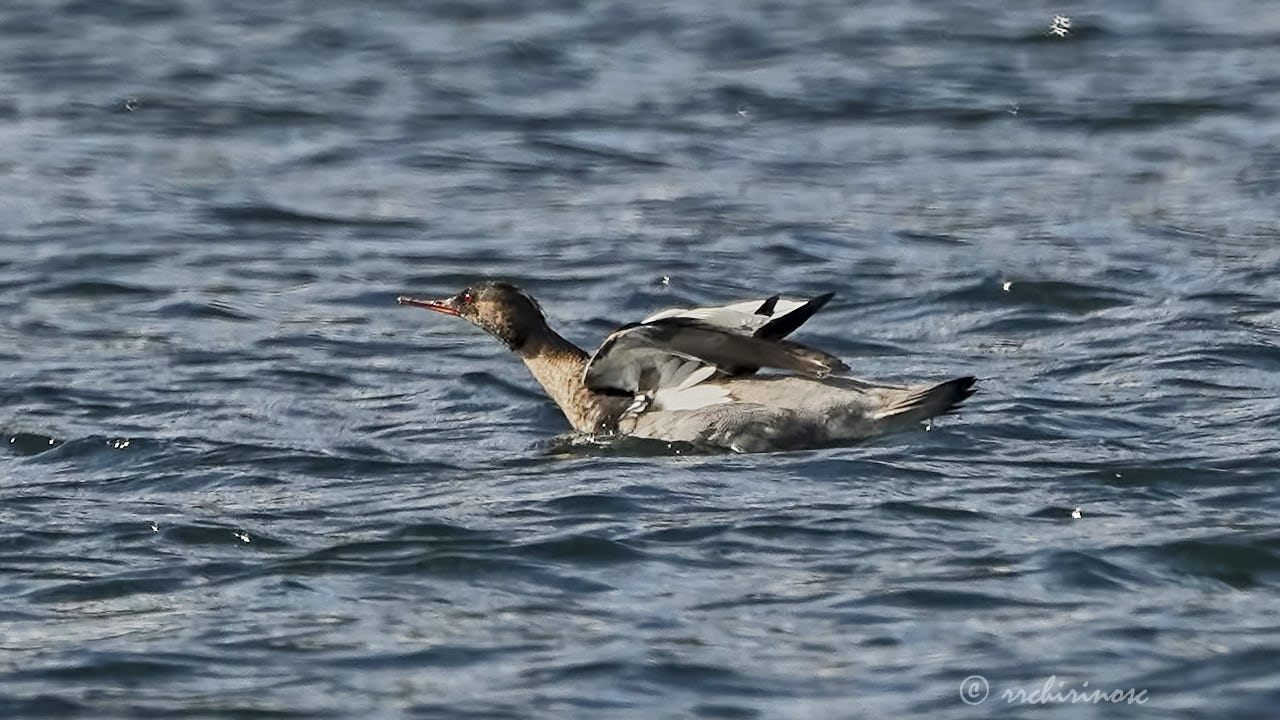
{"points": [[557, 365]]}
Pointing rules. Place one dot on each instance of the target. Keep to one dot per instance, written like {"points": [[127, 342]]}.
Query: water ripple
{"points": [[238, 481]]}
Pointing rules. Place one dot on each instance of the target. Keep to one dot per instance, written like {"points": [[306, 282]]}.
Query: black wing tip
{"points": [[767, 307], [783, 325]]}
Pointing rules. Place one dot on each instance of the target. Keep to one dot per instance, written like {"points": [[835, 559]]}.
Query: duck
{"points": [[693, 375]]}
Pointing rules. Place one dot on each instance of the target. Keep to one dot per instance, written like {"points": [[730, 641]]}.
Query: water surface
{"points": [[238, 481]]}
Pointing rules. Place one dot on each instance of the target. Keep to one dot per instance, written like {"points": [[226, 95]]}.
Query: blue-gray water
{"points": [[238, 481]]}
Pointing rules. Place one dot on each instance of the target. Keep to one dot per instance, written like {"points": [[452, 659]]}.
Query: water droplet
{"points": [[1061, 26]]}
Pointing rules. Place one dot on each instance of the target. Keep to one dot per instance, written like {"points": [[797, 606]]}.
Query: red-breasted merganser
{"points": [[689, 374]]}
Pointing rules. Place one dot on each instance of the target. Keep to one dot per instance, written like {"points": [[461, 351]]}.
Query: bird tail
{"points": [[921, 403]]}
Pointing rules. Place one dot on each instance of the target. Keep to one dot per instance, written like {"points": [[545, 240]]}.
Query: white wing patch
{"points": [[688, 394], [692, 398], [740, 317]]}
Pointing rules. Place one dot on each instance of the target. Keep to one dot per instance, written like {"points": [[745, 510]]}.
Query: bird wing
{"points": [[772, 318], [679, 352]]}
